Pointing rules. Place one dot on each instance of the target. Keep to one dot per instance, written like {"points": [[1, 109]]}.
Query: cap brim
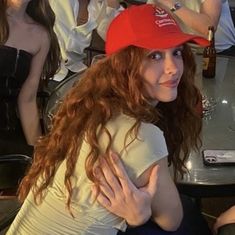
{"points": [[171, 40]]}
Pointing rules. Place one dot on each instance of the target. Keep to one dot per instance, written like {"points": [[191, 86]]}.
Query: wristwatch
{"points": [[176, 6]]}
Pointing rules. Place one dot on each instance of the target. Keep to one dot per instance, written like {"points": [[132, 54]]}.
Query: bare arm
{"points": [[27, 100], [154, 189], [167, 209], [227, 217], [199, 21], [120, 196], [166, 206]]}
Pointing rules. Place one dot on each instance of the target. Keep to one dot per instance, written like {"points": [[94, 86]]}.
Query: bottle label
{"points": [[205, 63]]}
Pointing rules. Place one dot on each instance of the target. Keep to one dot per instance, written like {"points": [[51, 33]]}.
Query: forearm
{"points": [[30, 121], [170, 217], [167, 209], [197, 18], [197, 21], [227, 217]]}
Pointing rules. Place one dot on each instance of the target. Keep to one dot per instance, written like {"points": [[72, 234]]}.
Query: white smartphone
{"points": [[213, 157]]}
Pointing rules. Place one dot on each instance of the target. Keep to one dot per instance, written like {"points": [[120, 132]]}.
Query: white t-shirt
{"points": [[74, 39], [52, 218]]}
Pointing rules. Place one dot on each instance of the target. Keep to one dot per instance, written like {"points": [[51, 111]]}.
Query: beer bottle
{"points": [[209, 55]]}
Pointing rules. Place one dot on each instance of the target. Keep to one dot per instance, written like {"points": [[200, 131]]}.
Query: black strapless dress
{"points": [[14, 70]]}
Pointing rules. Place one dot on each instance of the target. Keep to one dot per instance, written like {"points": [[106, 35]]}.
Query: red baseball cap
{"points": [[147, 26]]}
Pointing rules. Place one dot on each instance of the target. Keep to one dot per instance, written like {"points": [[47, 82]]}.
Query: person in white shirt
{"points": [[75, 21], [196, 15]]}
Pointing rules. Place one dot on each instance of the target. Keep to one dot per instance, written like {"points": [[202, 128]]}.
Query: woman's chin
{"points": [[168, 98]]}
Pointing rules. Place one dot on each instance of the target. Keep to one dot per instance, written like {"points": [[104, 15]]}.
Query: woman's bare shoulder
{"points": [[41, 32], [40, 36]]}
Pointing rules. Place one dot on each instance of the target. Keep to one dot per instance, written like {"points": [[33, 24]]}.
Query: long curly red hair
{"points": [[111, 86]]}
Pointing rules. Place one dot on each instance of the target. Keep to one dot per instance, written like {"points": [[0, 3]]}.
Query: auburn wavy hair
{"points": [[41, 12], [111, 86]]}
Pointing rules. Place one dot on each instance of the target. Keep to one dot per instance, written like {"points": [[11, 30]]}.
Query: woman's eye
{"points": [[155, 56], [178, 52]]}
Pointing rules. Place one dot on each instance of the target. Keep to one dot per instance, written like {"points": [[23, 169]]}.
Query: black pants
{"points": [[228, 229], [228, 52], [193, 223]]}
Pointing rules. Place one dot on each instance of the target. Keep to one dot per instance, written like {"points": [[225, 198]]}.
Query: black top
{"points": [[14, 70]]}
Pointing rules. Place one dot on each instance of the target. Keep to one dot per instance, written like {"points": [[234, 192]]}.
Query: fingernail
{"points": [[114, 157], [102, 161], [93, 188], [97, 172]]}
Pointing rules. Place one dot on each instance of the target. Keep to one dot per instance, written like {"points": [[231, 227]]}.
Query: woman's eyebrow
{"points": [[153, 51]]}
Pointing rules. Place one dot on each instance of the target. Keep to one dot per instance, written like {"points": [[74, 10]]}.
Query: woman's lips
{"points": [[170, 83]]}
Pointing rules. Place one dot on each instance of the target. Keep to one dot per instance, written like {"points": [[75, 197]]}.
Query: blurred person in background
{"points": [[75, 22], [195, 16], [29, 55]]}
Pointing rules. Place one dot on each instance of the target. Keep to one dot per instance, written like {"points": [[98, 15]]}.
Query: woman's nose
{"points": [[170, 66]]}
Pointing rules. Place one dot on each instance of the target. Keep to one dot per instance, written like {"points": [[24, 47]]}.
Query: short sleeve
{"points": [[137, 153], [148, 148]]}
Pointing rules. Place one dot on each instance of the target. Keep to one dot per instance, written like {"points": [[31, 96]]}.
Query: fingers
{"points": [[104, 186], [114, 182], [117, 164], [110, 176], [101, 198], [121, 173]]}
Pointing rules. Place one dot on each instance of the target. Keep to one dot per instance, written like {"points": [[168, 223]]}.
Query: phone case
{"points": [[213, 157]]}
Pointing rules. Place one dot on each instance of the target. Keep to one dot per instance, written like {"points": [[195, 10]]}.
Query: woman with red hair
{"points": [[138, 101]]}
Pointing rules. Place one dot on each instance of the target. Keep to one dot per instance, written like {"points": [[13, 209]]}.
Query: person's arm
{"points": [[166, 208], [27, 100], [120, 196], [109, 9], [227, 217], [199, 21]]}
